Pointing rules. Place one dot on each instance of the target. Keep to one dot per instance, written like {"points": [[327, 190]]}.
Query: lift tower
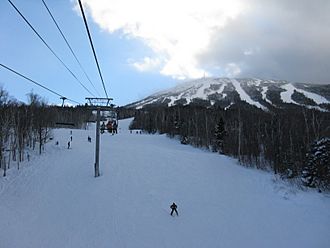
{"points": [[98, 104]]}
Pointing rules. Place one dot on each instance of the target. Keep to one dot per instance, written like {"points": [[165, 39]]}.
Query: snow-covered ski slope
{"points": [[244, 96], [54, 201]]}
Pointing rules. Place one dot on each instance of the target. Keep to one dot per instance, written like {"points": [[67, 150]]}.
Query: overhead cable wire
{"points": [[91, 42], [36, 83], [66, 41], [17, 10]]}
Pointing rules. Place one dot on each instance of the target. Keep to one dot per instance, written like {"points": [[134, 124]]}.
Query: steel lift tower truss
{"points": [[98, 104]]}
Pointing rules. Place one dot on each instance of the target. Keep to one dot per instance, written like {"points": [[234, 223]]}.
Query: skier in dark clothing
{"points": [[102, 127], [114, 126], [174, 207]]}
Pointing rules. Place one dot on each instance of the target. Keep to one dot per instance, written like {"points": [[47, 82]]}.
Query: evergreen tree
{"points": [[219, 135], [317, 172]]}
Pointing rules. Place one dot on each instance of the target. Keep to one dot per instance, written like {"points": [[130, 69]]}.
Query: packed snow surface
{"points": [[264, 94], [286, 95], [55, 201], [244, 96]]}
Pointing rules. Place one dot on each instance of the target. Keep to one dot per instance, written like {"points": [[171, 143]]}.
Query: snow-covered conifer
{"points": [[317, 171]]}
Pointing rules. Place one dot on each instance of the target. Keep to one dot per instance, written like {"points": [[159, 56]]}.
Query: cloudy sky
{"points": [[148, 45]]}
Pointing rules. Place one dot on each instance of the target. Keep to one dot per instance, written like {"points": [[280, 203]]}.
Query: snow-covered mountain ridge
{"points": [[257, 92]]}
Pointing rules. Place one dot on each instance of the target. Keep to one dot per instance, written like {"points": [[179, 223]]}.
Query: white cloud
{"points": [[247, 38], [147, 64], [232, 70], [248, 52], [176, 31]]}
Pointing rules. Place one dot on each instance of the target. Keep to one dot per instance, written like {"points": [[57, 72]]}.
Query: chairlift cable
{"points": [[45, 43], [91, 42], [38, 84], [66, 41]]}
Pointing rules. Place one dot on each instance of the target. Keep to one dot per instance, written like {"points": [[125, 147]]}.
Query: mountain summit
{"points": [[224, 92]]}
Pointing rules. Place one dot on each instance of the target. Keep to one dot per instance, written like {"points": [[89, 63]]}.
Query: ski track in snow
{"points": [[286, 95], [244, 96], [55, 201], [264, 94]]}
